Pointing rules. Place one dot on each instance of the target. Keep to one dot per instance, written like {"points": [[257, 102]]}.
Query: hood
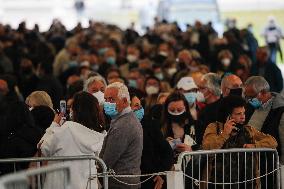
{"points": [[87, 140], [278, 100]]}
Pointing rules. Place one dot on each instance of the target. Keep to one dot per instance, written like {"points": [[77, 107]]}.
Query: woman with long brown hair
{"points": [[81, 136], [178, 126]]}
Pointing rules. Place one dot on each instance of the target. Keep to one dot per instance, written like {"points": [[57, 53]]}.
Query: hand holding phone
{"points": [[183, 147], [229, 125], [174, 143], [57, 118]]}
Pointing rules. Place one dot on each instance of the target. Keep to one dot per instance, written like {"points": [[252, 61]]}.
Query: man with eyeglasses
{"points": [[211, 89], [268, 106], [267, 117], [122, 147]]}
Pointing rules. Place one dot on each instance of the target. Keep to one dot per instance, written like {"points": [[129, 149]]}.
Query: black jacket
{"points": [[157, 155], [19, 136], [19, 144], [207, 115], [271, 73]]}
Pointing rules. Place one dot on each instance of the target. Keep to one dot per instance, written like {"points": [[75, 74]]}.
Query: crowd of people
{"points": [[137, 101]]}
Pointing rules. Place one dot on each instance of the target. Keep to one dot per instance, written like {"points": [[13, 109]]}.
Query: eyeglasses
{"points": [[202, 88]]}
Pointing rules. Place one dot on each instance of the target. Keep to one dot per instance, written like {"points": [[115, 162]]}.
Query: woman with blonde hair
{"points": [[39, 98]]}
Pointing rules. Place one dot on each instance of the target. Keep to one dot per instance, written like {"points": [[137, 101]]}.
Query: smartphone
{"points": [[237, 126], [229, 117], [63, 107], [174, 142]]}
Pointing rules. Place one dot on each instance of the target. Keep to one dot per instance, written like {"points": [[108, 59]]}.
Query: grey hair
{"points": [[71, 41], [213, 83], [258, 84], [89, 81], [122, 90]]}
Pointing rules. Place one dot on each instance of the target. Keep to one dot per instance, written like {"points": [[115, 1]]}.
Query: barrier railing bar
{"points": [[220, 151], [24, 174], [62, 158]]}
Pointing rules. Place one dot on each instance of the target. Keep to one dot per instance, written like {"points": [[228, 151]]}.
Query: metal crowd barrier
{"points": [[245, 168], [28, 178], [53, 160]]}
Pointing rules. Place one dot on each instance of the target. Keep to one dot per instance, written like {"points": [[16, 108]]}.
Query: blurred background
{"points": [[252, 13]]}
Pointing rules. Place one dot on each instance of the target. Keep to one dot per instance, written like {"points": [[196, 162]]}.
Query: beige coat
{"points": [[213, 140]]}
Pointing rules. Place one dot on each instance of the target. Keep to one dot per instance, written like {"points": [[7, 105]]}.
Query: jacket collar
{"points": [[122, 113]]}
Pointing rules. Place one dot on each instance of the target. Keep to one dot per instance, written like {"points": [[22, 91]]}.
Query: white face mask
{"points": [[160, 76], [152, 90], [131, 58], [172, 71], [193, 68], [100, 96], [176, 113], [200, 97], [226, 62], [163, 53]]}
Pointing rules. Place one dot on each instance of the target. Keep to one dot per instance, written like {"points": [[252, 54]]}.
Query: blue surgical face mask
{"points": [[102, 51], [110, 109], [132, 83], [139, 113], [190, 97], [255, 103], [110, 60], [160, 76], [72, 64]]}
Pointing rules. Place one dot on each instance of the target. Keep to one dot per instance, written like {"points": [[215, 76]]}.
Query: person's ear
{"points": [[226, 91], [261, 94], [124, 100]]}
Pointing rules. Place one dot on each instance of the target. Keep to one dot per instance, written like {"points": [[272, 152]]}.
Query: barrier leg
{"points": [[282, 177], [175, 179]]}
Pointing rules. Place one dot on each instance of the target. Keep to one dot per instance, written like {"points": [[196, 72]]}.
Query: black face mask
{"points": [[236, 92], [27, 70], [182, 66], [160, 59], [180, 119]]}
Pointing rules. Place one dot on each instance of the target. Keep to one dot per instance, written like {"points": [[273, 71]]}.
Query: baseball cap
{"points": [[186, 83]]}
